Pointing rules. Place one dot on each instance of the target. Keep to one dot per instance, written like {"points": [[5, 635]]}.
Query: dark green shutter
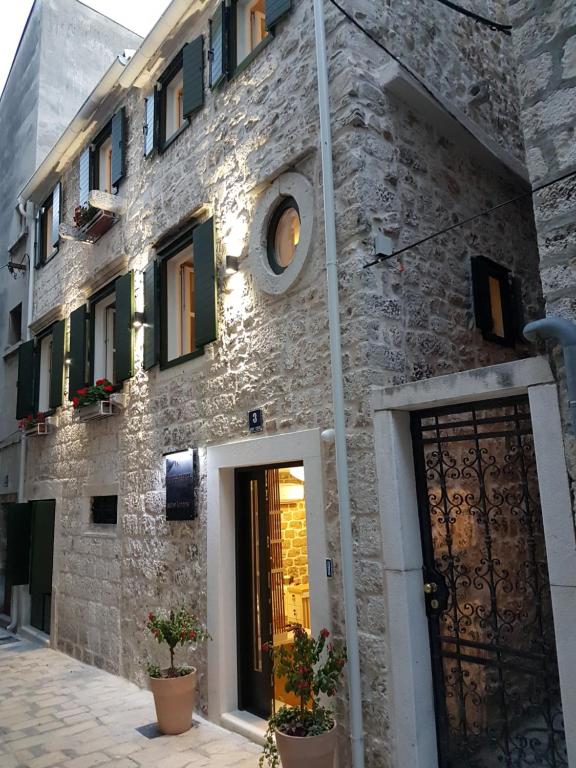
{"points": [[205, 283], [275, 10], [56, 206], [118, 149], [151, 315], [57, 364], [481, 294], [38, 247], [124, 328], [42, 547], [217, 53], [193, 75], [149, 125], [84, 177], [18, 526], [25, 397], [77, 370]]}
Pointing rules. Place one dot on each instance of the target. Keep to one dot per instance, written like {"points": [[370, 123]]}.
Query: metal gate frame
{"points": [[410, 705]]}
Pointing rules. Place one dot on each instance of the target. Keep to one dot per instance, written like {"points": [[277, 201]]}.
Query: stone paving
{"points": [[56, 712]]}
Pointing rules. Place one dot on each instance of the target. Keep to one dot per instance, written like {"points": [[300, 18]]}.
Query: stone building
{"points": [[190, 273], [51, 75]]}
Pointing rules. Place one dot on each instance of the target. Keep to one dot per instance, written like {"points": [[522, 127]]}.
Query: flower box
{"points": [[97, 226], [100, 410], [38, 429]]}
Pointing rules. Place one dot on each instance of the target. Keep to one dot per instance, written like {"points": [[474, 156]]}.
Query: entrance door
{"points": [[272, 577], [487, 591], [41, 561]]}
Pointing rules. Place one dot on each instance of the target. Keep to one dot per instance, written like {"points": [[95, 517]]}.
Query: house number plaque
{"points": [[255, 420]]}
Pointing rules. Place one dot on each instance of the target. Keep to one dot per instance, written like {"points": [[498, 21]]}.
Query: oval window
{"points": [[283, 235]]}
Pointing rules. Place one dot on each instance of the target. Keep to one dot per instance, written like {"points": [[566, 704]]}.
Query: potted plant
{"points": [[34, 424], [93, 394], [174, 688], [304, 735], [93, 222]]}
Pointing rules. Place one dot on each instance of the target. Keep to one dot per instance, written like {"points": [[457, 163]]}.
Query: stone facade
{"points": [[395, 172], [545, 44]]}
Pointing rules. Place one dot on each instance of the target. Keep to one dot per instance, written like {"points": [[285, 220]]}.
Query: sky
{"points": [[138, 15]]}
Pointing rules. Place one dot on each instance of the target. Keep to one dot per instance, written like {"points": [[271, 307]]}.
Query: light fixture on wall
{"points": [[67, 360], [138, 321], [232, 265]]}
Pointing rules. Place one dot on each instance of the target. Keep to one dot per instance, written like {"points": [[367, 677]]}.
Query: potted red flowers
{"points": [[174, 688], [34, 424], [304, 735], [94, 394], [93, 222], [96, 401]]}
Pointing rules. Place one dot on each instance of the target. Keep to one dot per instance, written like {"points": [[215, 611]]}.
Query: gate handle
{"points": [[430, 588]]}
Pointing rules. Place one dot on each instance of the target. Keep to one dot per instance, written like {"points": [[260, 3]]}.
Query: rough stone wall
{"points": [[294, 552], [393, 172], [545, 43]]}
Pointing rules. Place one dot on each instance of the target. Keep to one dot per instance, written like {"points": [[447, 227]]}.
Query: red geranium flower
{"points": [[109, 388], [75, 402], [324, 633]]}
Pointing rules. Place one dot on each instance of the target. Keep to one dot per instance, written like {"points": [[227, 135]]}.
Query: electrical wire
{"points": [[404, 66], [522, 196], [495, 26]]}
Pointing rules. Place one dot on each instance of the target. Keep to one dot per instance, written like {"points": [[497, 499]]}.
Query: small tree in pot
{"points": [[174, 688], [304, 735]]}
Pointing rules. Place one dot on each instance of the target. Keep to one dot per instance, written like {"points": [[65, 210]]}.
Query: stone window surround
{"points": [[412, 716], [222, 460], [287, 185]]}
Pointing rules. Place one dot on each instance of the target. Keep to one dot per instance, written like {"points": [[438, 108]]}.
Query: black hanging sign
{"points": [[179, 468]]}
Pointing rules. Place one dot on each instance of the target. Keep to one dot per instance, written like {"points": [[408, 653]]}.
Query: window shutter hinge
{"points": [[145, 129], [211, 54]]}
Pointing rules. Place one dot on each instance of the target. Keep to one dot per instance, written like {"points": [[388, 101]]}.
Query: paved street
{"points": [[56, 712]]}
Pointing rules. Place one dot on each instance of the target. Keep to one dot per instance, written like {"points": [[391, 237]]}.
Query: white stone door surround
{"points": [[222, 460], [412, 718]]}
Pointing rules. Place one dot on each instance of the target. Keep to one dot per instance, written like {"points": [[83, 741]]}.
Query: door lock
{"points": [[430, 588]]}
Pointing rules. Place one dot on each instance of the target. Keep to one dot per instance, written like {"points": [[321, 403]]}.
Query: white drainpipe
{"points": [[354, 683], [16, 603]]}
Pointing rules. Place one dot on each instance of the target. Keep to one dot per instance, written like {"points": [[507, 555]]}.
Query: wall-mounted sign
{"points": [[329, 567], [255, 420], [179, 468]]}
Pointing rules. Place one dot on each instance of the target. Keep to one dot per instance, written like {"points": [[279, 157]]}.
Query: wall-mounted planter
{"points": [[101, 410], [98, 225], [42, 428]]}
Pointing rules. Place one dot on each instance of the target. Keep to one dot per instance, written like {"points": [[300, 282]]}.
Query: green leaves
{"points": [[178, 627]]}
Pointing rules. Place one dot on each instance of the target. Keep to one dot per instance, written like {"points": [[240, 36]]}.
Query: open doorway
{"points": [[273, 588]]}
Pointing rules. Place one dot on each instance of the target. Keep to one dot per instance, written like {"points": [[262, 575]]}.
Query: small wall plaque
{"points": [[255, 420], [329, 567]]}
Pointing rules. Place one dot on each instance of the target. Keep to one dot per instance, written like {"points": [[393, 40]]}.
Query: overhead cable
{"points": [[522, 196], [495, 26]]}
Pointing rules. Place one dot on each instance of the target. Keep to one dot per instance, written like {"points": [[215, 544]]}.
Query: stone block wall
{"points": [[394, 172], [294, 542]]}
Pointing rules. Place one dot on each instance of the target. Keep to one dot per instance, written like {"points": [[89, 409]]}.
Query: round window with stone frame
{"points": [[283, 235]]}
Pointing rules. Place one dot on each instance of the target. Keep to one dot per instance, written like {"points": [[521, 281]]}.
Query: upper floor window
{"points": [[15, 325], [102, 164], [496, 301], [47, 224], [41, 372], [251, 30], [178, 94], [180, 298], [103, 338]]}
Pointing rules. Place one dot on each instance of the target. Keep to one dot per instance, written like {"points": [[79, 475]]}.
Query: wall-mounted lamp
{"points": [[138, 321], [68, 360], [232, 265]]}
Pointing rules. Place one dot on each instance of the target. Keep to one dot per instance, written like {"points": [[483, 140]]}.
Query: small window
{"points": [[45, 372], [495, 304], [47, 235], [283, 235], [102, 161], [104, 331], [172, 119], [105, 510], [180, 304], [15, 325], [250, 27]]}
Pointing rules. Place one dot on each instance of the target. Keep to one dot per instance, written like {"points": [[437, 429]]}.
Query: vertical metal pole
{"points": [[354, 681]]}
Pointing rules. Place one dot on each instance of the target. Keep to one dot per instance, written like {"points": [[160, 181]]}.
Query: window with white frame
{"points": [[180, 305], [174, 104], [105, 165], [45, 372], [104, 328], [250, 27]]}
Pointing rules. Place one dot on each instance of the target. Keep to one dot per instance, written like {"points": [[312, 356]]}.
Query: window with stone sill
{"points": [[47, 223], [104, 510], [497, 304], [41, 372], [102, 163]]}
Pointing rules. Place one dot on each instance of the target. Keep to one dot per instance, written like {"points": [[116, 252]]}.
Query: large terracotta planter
{"points": [[174, 701], [307, 751]]}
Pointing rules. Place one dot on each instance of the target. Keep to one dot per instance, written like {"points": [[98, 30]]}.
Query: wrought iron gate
{"points": [[488, 601]]}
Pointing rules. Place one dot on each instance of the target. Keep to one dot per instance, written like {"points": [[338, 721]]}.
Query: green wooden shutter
{"points": [[57, 364], [151, 315], [275, 10], [205, 283], [193, 75], [149, 125], [18, 526], [42, 547], [124, 328], [25, 396], [56, 205], [118, 146], [218, 47], [38, 250], [84, 177], [78, 349]]}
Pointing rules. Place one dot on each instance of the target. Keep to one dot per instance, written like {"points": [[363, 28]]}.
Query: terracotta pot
{"points": [[174, 701], [309, 751]]}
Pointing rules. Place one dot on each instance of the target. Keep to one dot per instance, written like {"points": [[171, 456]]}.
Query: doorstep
{"points": [[246, 724], [31, 633]]}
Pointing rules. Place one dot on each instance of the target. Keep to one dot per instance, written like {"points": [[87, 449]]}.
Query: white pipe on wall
{"points": [[354, 680]]}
